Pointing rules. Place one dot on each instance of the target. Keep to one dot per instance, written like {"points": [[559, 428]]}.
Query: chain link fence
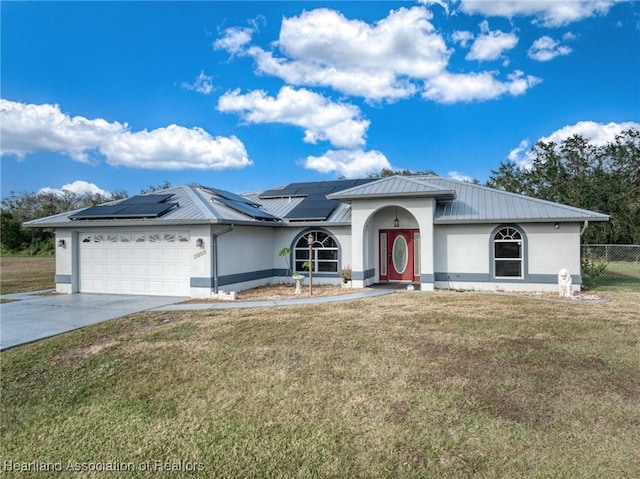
{"points": [[611, 267]]}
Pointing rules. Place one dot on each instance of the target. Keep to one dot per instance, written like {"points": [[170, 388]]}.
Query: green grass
{"points": [[19, 274], [618, 276], [440, 385]]}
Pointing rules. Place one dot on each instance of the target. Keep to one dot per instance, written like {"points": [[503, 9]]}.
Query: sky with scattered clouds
{"points": [[105, 96]]}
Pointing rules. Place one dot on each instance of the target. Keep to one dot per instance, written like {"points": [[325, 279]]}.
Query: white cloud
{"points": [[519, 155], [349, 163], [491, 44], [339, 123], [454, 175], [462, 37], [234, 39], [547, 13], [598, 134], [443, 3], [546, 48], [175, 148], [323, 48], [79, 187], [202, 84], [466, 87], [391, 59], [28, 128]]}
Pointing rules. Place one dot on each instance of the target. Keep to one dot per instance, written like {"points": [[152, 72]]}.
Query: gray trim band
{"points": [[238, 278], [63, 279], [362, 275], [427, 278], [485, 278]]}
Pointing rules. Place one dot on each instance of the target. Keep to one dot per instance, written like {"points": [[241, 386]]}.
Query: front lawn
{"points": [[442, 385], [20, 273]]}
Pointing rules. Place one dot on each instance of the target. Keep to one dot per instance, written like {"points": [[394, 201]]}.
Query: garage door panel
{"points": [[135, 263], [140, 253], [155, 270], [154, 253], [126, 270], [112, 269]]}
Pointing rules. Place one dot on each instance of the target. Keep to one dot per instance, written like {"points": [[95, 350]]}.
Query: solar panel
{"points": [[231, 196], [313, 188], [146, 199], [247, 209], [139, 210], [315, 207], [140, 206]]}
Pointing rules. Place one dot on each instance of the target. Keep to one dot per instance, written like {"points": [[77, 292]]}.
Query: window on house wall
{"points": [[325, 253], [507, 253]]}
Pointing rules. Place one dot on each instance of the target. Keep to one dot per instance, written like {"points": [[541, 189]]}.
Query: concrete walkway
{"points": [[366, 293]]}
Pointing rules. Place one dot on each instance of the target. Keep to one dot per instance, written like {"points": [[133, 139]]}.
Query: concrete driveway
{"points": [[35, 317]]}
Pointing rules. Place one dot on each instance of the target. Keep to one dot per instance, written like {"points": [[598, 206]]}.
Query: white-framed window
{"points": [[325, 253], [508, 253]]}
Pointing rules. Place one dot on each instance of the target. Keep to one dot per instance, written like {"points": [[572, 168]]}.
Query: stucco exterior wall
{"points": [[66, 262], [463, 256]]}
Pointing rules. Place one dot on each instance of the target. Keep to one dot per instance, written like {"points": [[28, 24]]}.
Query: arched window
{"points": [[508, 253], [325, 253]]}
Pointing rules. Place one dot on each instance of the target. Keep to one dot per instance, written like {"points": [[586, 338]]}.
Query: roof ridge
{"points": [[203, 205]]}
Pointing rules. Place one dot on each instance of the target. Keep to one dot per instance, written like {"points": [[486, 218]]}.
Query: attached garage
{"points": [[135, 262]]}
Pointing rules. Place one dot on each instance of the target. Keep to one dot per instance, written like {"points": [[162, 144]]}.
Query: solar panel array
{"points": [[140, 206], [247, 209], [231, 196], [315, 206], [241, 204]]}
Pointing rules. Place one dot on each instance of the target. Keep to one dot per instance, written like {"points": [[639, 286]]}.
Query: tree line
{"points": [[576, 172], [603, 178]]}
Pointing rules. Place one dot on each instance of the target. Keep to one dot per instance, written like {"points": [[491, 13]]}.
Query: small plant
{"points": [[592, 268], [306, 266], [286, 254], [346, 274]]}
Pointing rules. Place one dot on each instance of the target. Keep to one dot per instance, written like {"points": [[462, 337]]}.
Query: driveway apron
{"points": [[35, 317]]}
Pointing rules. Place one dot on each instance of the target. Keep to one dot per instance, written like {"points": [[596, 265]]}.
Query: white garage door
{"points": [[144, 262]]}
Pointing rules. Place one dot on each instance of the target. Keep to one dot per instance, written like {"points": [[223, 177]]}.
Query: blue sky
{"points": [[104, 96]]}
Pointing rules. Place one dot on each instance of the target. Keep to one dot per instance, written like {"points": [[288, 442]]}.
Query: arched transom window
{"points": [[325, 253], [507, 253]]}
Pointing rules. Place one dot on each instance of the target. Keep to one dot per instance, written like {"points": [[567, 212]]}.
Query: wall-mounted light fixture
{"points": [[396, 222], [199, 242], [557, 226], [61, 243]]}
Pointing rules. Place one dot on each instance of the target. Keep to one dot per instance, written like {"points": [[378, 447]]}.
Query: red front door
{"points": [[398, 249]]}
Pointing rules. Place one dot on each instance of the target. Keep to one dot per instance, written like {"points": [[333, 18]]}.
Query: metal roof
{"points": [[194, 205], [480, 204], [456, 202], [394, 187]]}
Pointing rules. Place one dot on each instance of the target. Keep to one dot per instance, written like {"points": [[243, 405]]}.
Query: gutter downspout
{"points": [[214, 245], [584, 228]]}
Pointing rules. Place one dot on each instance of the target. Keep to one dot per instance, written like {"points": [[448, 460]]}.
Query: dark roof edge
{"points": [[437, 221], [439, 194]]}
